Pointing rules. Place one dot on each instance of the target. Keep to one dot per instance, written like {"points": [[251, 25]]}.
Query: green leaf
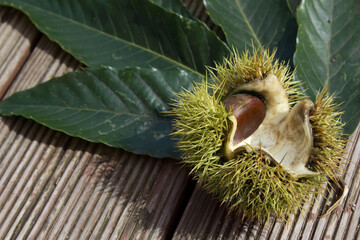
{"points": [[121, 33], [174, 5], [328, 50], [262, 22], [118, 108]]}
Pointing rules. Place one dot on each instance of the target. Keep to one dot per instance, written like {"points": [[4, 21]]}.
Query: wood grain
{"points": [[17, 38]]}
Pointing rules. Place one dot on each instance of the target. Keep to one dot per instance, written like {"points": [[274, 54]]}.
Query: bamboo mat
{"points": [[53, 186]]}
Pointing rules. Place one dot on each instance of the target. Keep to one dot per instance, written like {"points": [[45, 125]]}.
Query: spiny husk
{"points": [[245, 67], [254, 187], [251, 184], [329, 143], [201, 124]]}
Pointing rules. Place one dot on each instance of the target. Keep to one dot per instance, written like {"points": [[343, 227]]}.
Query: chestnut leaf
{"points": [[123, 33], [328, 50], [261, 22], [125, 108]]}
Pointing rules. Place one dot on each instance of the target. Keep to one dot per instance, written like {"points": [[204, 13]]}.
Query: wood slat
{"points": [[17, 38]]}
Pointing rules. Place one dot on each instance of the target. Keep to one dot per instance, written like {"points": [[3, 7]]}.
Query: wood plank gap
{"points": [[180, 208]]}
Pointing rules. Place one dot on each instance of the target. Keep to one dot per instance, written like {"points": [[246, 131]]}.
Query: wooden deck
{"points": [[53, 186]]}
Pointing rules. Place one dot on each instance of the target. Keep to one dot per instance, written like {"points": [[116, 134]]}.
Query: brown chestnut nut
{"points": [[249, 112]]}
